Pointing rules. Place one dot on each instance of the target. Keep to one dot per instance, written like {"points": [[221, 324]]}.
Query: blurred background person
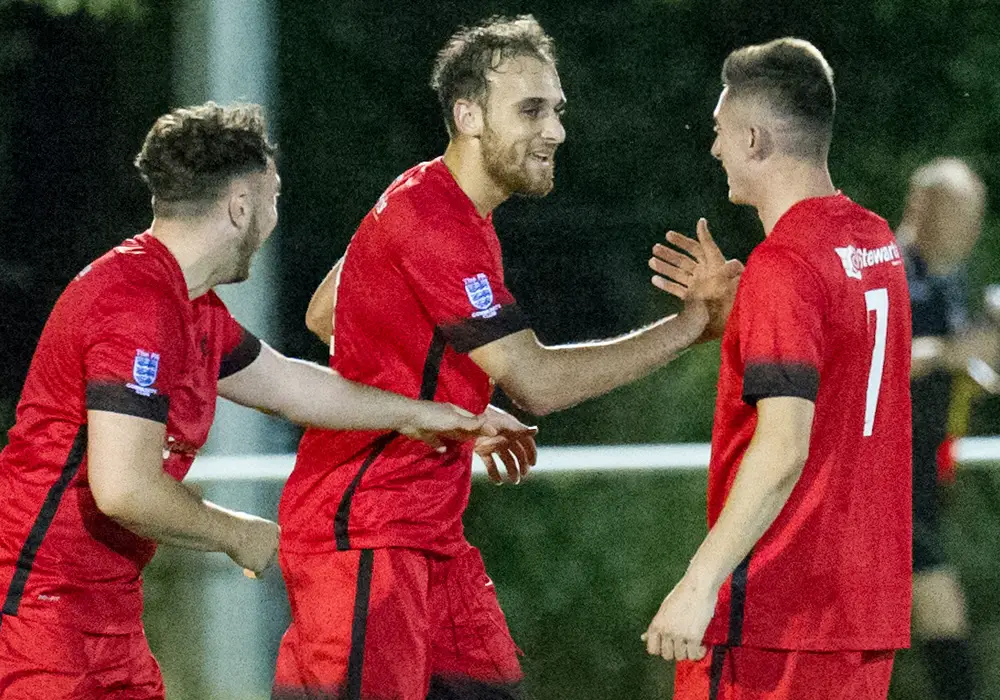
{"points": [[940, 226]]}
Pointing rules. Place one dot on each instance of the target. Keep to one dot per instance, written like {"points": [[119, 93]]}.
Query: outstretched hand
{"points": [[513, 442], [438, 424], [700, 274]]}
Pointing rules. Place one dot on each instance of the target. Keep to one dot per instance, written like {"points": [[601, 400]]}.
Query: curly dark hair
{"points": [[463, 65], [794, 79], [191, 154]]}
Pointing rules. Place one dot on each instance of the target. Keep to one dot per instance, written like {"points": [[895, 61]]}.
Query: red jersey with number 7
{"points": [[822, 313]]}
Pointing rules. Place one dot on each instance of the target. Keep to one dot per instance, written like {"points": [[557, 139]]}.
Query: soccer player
{"points": [[388, 598], [941, 224], [119, 397], [801, 588]]}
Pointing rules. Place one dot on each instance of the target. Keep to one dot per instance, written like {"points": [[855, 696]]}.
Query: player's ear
{"points": [[760, 142], [239, 205], [468, 116]]}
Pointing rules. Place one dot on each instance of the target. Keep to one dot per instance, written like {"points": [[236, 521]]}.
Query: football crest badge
{"points": [[145, 367], [479, 291]]}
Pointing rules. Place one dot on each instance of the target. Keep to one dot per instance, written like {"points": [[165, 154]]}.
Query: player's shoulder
{"points": [[425, 200], [818, 232], [135, 275]]}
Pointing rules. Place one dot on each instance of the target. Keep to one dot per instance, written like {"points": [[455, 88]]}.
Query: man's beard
{"points": [[246, 248], [510, 171]]}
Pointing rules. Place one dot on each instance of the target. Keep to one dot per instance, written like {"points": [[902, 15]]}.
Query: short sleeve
{"points": [[240, 347], [457, 275], [132, 359], [782, 307]]}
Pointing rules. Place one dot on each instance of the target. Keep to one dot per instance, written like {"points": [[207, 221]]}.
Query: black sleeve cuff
{"points": [[241, 356], [767, 380], [120, 398], [469, 334]]}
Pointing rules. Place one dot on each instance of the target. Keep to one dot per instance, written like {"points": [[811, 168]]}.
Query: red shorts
{"points": [[393, 623], [41, 661], [745, 673]]}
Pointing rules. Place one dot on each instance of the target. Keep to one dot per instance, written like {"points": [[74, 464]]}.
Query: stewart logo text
{"points": [[857, 259]]}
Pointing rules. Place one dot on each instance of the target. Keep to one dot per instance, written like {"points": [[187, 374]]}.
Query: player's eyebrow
{"points": [[535, 102]]}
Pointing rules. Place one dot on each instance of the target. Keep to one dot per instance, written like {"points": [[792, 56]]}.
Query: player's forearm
{"points": [[565, 375], [318, 397], [161, 509], [766, 478]]}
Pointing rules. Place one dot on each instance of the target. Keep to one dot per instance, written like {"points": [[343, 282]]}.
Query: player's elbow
{"points": [[533, 399], [318, 324], [791, 464], [116, 499]]}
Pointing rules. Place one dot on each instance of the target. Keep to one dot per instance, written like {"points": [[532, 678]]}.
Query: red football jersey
{"points": [[422, 285], [123, 337], [822, 313]]}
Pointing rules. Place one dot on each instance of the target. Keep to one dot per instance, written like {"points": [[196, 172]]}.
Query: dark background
{"points": [[915, 78]]}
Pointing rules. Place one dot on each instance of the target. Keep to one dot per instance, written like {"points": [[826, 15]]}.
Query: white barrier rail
{"points": [[972, 452]]}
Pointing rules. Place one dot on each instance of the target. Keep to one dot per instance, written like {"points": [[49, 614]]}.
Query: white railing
{"points": [[976, 452]]}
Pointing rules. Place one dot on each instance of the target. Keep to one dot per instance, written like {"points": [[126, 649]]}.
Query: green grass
{"points": [[581, 563]]}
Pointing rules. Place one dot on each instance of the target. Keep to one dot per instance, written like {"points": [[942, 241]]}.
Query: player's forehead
{"points": [[523, 78], [722, 107]]}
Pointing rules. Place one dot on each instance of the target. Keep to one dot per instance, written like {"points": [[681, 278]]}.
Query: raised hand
{"points": [[700, 274], [513, 443]]}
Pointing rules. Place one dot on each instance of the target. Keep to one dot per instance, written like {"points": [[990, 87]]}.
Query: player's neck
{"points": [[186, 242], [464, 160], [786, 185]]}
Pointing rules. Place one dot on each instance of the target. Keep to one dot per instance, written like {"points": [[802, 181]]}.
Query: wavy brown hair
{"points": [[192, 154], [462, 69]]}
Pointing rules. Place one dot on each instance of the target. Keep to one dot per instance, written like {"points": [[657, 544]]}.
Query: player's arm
{"points": [[319, 315], [974, 352], [769, 471], [542, 379], [129, 485], [310, 395]]}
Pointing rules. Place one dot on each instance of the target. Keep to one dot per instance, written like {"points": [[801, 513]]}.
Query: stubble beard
{"points": [[509, 170], [245, 251]]}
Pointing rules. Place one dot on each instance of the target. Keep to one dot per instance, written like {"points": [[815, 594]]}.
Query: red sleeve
{"points": [[457, 275], [240, 347], [132, 358], [782, 307]]}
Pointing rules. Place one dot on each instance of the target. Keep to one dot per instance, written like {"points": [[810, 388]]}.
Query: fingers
{"points": [[672, 257], [673, 272], [688, 245], [652, 640], [670, 287], [491, 469], [531, 449], [705, 238], [733, 268], [671, 648], [510, 463]]}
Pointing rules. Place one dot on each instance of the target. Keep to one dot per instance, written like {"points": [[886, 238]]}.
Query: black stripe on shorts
{"points": [[356, 659]]}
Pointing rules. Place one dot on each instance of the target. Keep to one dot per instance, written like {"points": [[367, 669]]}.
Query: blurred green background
{"points": [[581, 561]]}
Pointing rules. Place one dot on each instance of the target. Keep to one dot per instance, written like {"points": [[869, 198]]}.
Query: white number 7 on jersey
{"points": [[876, 300]]}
